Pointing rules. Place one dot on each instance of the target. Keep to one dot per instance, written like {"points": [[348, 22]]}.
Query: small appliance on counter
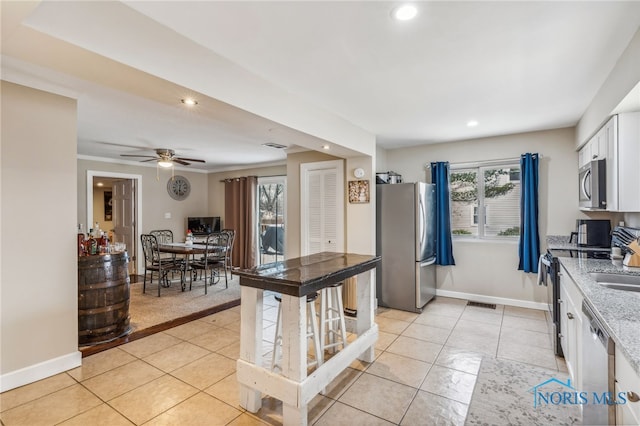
{"points": [[593, 232], [388, 177]]}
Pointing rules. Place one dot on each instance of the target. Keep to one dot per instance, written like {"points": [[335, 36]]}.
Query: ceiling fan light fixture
{"points": [[165, 163]]}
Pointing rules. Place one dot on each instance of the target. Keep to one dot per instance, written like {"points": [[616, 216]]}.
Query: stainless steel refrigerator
{"points": [[405, 238]]}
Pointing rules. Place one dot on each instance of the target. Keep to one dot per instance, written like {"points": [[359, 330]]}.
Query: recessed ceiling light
{"points": [[189, 101], [325, 146], [472, 123], [99, 184], [405, 12]]}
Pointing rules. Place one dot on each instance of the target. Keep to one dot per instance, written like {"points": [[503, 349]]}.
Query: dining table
{"points": [[188, 250], [295, 279]]}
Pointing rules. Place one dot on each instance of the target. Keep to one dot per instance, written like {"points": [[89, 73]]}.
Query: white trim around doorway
{"points": [[138, 178]]}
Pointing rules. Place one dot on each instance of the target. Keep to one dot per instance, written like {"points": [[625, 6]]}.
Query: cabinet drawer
{"points": [[628, 381], [624, 413]]}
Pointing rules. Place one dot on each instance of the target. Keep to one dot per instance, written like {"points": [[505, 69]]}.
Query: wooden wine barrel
{"points": [[103, 298]]}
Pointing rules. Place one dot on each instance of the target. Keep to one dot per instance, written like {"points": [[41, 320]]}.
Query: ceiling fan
{"points": [[165, 158]]}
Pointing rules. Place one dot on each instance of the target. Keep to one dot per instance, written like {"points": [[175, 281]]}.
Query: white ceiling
{"points": [[291, 72]]}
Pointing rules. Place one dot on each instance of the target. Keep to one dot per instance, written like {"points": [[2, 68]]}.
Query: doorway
{"points": [[126, 210], [271, 218]]}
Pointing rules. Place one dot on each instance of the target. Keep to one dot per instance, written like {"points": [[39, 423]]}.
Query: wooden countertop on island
{"points": [[307, 274]]}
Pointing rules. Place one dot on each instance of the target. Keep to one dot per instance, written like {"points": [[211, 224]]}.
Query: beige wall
{"points": [[624, 76], [155, 198], [216, 186], [39, 326], [361, 218], [490, 268]]}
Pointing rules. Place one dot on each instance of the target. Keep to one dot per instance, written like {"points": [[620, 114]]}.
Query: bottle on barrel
{"points": [[92, 246], [104, 243], [82, 248]]}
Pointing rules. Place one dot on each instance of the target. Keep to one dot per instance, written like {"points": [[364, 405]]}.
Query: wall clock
{"points": [[178, 187]]}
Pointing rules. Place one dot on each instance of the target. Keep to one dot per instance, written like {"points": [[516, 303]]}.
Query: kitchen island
{"points": [[295, 279]]}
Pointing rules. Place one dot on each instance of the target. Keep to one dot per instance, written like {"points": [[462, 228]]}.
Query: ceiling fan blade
{"points": [[189, 159], [179, 161], [134, 155], [151, 159]]}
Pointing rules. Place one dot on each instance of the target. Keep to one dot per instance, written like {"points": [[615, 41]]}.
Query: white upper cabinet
{"points": [[622, 137], [595, 149]]}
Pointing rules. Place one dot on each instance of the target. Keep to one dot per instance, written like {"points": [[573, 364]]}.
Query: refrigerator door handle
{"points": [[421, 224]]}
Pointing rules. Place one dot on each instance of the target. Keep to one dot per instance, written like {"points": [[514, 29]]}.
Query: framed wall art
{"points": [[108, 210], [358, 191]]}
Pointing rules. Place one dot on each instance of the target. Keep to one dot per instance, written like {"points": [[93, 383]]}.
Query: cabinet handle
{"points": [[632, 396], [569, 315], [595, 156]]}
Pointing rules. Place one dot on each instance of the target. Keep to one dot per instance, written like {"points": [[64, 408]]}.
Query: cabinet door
{"points": [[584, 155], [624, 412], [612, 164], [628, 135], [594, 143], [603, 143], [571, 328], [627, 381]]}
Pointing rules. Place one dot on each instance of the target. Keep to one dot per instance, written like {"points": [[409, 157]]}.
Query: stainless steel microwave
{"points": [[592, 181]]}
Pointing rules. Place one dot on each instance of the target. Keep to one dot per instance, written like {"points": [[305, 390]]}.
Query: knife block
{"points": [[633, 260]]}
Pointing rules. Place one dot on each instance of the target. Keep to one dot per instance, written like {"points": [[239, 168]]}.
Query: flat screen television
{"points": [[203, 225]]}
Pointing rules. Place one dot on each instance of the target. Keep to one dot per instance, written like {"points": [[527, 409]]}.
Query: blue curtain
{"points": [[444, 249], [529, 246]]}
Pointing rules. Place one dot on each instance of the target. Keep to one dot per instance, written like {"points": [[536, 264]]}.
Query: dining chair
{"points": [[214, 259], [153, 263], [229, 251], [165, 236]]}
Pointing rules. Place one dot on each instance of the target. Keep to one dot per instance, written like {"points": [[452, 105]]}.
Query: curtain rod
{"points": [[243, 177], [484, 163]]}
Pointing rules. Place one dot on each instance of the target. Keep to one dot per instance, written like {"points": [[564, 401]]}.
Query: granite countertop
{"points": [[561, 242], [619, 310]]}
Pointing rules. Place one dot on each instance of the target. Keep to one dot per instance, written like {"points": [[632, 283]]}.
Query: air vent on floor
{"points": [[274, 145], [481, 305]]}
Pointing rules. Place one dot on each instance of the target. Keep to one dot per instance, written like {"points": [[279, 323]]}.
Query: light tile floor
{"points": [[424, 373]]}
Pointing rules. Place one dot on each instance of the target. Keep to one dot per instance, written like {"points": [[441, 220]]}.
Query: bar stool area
{"points": [[299, 281]]}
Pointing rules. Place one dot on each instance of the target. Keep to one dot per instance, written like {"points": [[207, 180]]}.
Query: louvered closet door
{"points": [[322, 207]]}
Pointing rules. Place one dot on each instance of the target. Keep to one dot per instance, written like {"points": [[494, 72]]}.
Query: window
{"points": [[487, 207], [271, 218]]}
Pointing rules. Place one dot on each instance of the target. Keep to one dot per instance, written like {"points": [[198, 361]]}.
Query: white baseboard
{"points": [[492, 299], [40, 371]]}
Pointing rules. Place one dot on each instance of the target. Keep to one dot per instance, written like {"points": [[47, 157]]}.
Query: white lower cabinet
{"points": [[627, 383], [571, 327]]}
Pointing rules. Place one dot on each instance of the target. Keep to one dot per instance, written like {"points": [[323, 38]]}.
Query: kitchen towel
{"points": [[542, 269]]}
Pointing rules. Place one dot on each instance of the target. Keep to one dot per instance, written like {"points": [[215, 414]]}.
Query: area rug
{"points": [[147, 309], [504, 395]]}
